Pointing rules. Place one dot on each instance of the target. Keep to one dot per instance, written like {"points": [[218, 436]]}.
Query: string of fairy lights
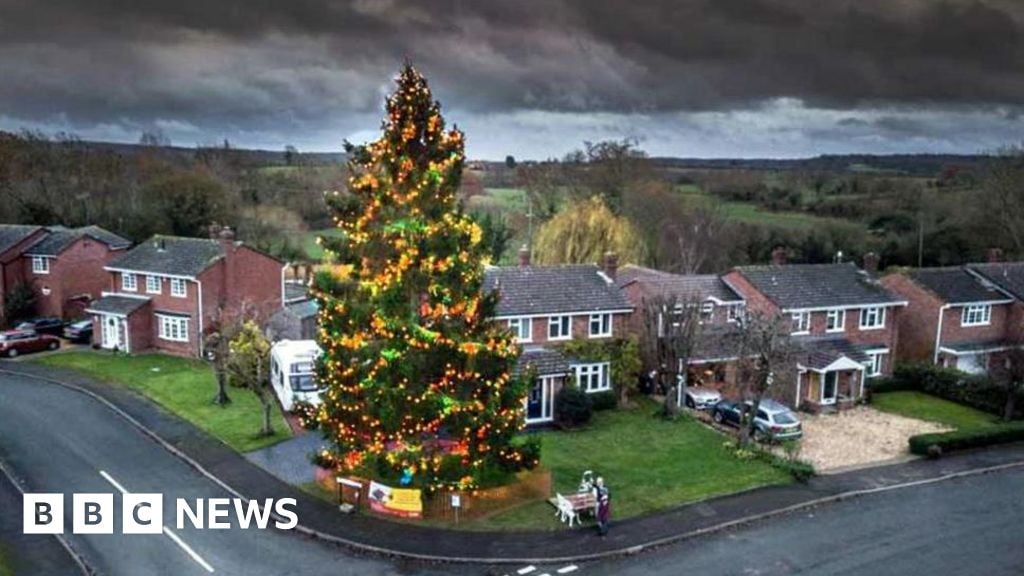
{"points": [[417, 377]]}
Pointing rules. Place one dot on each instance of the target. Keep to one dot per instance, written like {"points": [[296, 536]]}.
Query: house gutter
{"points": [[938, 332], [199, 284]]}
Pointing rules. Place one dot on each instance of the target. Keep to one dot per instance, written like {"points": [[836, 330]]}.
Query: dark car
{"points": [[15, 342], [53, 326], [80, 331], [774, 421]]}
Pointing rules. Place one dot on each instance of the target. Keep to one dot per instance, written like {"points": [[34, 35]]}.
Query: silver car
{"points": [[776, 421], [700, 398]]}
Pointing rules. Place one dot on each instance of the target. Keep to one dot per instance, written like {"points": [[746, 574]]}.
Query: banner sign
{"points": [[404, 502]]}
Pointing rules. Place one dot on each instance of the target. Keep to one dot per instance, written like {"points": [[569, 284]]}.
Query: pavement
{"points": [[289, 460], [220, 465]]}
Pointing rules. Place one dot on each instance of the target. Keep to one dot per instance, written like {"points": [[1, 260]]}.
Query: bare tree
{"points": [[767, 354], [672, 327], [1008, 373], [1004, 195]]}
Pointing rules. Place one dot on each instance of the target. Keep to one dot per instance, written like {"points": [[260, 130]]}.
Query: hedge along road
{"points": [[55, 440]]}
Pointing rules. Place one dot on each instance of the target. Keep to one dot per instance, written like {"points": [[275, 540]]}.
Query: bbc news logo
{"points": [[94, 513]]}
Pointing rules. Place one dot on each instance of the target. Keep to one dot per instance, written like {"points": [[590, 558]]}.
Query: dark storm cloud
{"points": [[248, 67]]}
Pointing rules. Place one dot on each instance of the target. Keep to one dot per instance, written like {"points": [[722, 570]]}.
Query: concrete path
{"points": [[289, 460]]}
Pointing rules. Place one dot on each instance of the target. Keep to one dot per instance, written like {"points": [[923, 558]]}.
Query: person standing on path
{"points": [[604, 506]]}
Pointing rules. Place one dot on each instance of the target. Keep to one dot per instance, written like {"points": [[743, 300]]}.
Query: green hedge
{"points": [[604, 401], [969, 438], [976, 391]]}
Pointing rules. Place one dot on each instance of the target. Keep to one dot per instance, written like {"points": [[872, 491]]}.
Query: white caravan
{"points": [[292, 367]]}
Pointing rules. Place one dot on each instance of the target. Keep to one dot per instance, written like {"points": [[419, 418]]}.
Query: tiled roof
{"points": [[60, 238], [11, 234], [631, 272], [173, 255], [303, 309], [821, 352], [700, 287], [295, 291], [546, 361], [794, 286], [121, 305], [955, 285], [978, 346], [534, 290], [1007, 275]]}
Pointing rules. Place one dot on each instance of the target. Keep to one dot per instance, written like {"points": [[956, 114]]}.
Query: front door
{"points": [[830, 388], [540, 401], [112, 335]]}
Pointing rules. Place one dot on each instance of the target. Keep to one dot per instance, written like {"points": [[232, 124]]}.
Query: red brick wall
{"points": [[12, 271], [76, 271], [148, 330], [580, 328], [918, 321]]}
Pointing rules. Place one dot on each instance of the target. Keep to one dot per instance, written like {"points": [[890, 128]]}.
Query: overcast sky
{"points": [[532, 78]]}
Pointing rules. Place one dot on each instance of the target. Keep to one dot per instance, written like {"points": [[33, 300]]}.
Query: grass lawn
{"points": [[308, 242], [648, 463], [925, 407], [184, 387], [5, 562]]}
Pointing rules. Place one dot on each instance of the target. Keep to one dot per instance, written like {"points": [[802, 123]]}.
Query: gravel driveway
{"points": [[858, 437]]}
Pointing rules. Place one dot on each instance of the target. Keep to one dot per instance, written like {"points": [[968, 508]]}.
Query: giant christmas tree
{"points": [[418, 382]]}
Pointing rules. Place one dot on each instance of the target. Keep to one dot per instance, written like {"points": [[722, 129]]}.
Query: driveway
{"points": [[859, 437]]}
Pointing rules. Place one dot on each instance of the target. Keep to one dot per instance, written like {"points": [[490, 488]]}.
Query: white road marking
{"points": [[569, 568], [526, 570], [167, 531]]}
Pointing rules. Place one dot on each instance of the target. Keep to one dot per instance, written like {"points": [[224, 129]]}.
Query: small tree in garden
{"points": [[417, 375], [216, 345], [767, 353], [19, 303], [1008, 372], [247, 366], [672, 327]]}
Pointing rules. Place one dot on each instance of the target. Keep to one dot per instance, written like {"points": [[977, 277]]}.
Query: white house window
{"points": [[173, 328], [593, 377], [976, 315], [874, 364], [735, 312], [707, 311], [129, 282], [178, 287], [835, 320], [40, 265], [872, 318], [801, 322], [522, 329], [600, 325], [559, 327], [153, 284]]}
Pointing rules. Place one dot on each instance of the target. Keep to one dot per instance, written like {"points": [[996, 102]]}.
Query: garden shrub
{"points": [[925, 444], [573, 407], [529, 448], [974, 390], [604, 401]]}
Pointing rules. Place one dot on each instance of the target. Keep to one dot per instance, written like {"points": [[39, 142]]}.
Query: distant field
{"points": [[747, 212], [309, 245]]}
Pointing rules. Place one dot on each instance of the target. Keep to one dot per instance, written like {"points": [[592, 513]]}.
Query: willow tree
{"points": [[418, 378], [586, 230]]}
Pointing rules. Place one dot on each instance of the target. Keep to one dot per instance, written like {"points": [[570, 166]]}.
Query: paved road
{"points": [[959, 527], [57, 440]]}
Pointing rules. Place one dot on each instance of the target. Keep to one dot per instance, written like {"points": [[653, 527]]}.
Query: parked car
{"points": [[15, 342], [773, 421], [80, 332], [51, 325], [700, 398]]}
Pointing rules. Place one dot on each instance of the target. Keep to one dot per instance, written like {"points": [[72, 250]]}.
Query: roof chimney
{"points": [[611, 264], [524, 256], [160, 244], [871, 263], [994, 255], [779, 256]]}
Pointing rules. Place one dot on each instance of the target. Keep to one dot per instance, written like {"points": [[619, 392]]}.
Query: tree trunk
{"points": [[221, 399], [1011, 404], [268, 429]]}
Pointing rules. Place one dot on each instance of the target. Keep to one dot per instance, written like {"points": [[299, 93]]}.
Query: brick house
{"points": [[63, 266], [956, 316], [547, 306], [713, 363], [167, 293], [842, 316]]}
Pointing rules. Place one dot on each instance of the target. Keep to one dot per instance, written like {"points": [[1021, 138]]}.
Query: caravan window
{"points": [[302, 379]]}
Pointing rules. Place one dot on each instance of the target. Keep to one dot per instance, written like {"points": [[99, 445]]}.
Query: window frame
{"points": [[521, 322], [564, 324], [159, 284], [599, 372], [879, 313], [734, 312], [839, 313], [985, 318], [873, 367], [40, 265], [799, 319], [172, 328], [134, 283], [604, 325], [184, 288]]}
